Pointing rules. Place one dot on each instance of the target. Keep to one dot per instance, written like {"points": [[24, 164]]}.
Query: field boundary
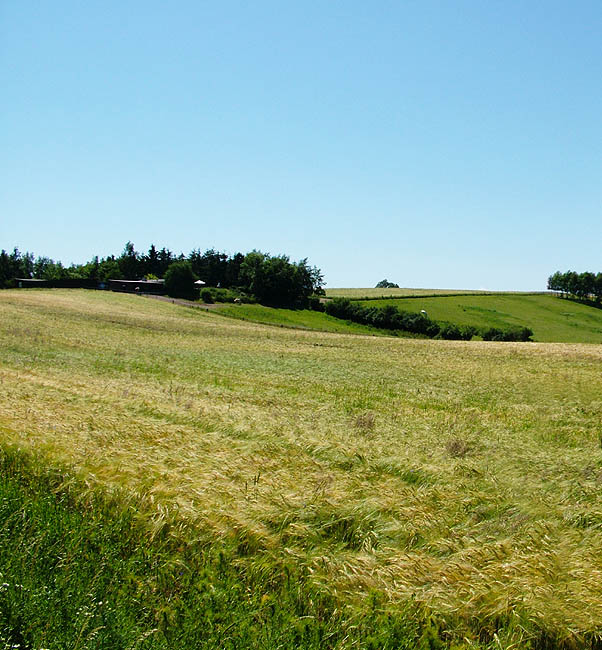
{"points": [[452, 295]]}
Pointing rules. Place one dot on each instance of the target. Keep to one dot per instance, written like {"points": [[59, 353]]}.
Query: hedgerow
{"points": [[391, 318]]}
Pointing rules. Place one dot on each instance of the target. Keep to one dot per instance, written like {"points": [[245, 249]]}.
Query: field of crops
{"points": [[372, 293], [461, 479]]}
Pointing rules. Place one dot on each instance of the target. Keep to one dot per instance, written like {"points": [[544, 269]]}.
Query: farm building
{"points": [[27, 283], [138, 286], [64, 283]]}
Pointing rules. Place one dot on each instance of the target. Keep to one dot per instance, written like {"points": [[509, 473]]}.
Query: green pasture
{"points": [[173, 478], [296, 319], [551, 318]]}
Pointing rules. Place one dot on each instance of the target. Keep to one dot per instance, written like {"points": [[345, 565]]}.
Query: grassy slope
{"points": [[462, 476], [296, 318], [551, 318]]}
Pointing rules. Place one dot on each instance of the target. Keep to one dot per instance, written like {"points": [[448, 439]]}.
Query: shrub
{"points": [[450, 332], [206, 295], [340, 308], [453, 332], [509, 334], [468, 331]]}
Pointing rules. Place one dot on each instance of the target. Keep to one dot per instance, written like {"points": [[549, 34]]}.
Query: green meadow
{"points": [[295, 318], [172, 478], [551, 318]]}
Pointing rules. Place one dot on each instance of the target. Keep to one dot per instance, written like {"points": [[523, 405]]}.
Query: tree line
{"points": [[390, 317], [271, 279], [584, 286]]}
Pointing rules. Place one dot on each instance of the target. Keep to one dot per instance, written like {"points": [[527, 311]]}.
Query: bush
{"points": [[206, 295], [450, 332], [509, 334], [315, 304], [213, 294], [388, 317], [340, 308]]}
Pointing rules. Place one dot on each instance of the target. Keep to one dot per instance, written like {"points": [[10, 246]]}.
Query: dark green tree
{"points": [[276, 281], [129, 262], [179, 280]]}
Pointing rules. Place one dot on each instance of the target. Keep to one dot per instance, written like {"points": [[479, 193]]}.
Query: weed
{"points": [[365, 422], [457, 447]]}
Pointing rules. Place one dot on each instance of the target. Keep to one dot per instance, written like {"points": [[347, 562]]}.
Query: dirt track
{"points": [[181, 301]]}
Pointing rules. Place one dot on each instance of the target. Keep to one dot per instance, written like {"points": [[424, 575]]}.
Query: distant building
{"points": [[26, 283], [138, 286]]}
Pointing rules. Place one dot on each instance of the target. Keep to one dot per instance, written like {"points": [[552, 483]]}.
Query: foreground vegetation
{"points": [[84, 570], [414, 491]]}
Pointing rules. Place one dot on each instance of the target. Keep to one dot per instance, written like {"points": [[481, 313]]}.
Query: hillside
{"points": [[293, 488], [551, 318]]}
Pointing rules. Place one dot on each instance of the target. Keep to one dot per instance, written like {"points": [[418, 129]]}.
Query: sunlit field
{"points": [[371, 293], [462, 478]]}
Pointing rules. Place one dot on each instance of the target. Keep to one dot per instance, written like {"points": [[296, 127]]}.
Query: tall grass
{"points": [[458, 479], [80, 569]]}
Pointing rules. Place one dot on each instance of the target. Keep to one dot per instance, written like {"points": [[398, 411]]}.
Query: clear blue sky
{"points": [[449, 144]]}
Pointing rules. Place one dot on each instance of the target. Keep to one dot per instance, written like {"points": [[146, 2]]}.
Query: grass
{"points": [[455, 486], [551, 318], [296, 319]]}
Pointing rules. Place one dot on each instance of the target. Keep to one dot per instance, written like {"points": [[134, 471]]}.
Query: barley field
{"points": [[460, 477], [372, 293]]}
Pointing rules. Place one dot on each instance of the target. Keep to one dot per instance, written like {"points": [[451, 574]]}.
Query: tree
{"points": [[15, 265], [232, 277], [179, 280], [46, 269], [275, 280], [385, 284], [129, 262], [210, 266], [151, 263], [108, 269]]}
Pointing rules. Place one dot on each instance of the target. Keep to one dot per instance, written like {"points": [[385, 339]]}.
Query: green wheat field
{"points": [[176, 478]]}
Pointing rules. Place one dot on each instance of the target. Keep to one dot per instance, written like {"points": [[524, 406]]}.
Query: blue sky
{"points": [[437, 144]]}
